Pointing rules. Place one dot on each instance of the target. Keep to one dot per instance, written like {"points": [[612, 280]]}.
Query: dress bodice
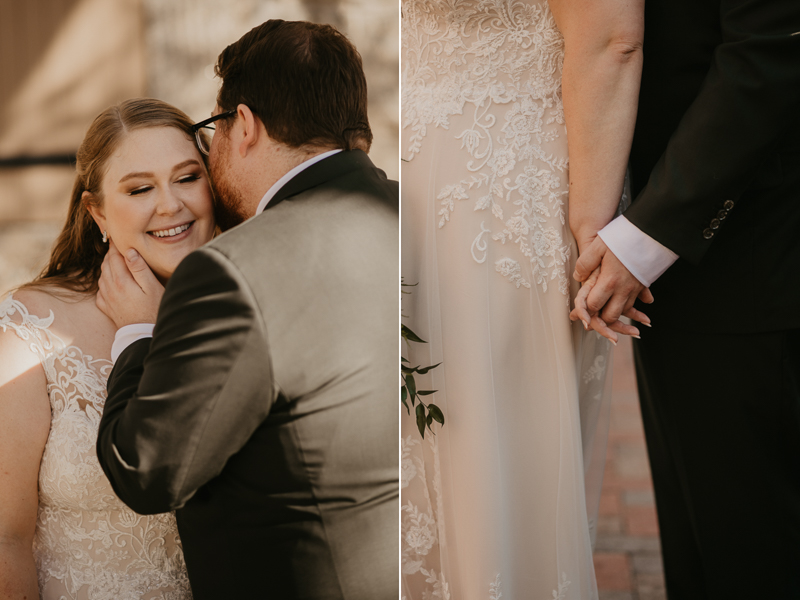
{"points": [[88, 545]]}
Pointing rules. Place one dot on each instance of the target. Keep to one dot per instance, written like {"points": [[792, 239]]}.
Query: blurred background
{"points": [[64, 61]]}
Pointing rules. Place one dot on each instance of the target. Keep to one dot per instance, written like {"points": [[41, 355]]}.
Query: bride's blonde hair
{"points": [[75, 260]]}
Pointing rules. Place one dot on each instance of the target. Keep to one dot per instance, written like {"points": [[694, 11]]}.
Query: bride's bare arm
{"points": [[24, 426], [600, 87]]}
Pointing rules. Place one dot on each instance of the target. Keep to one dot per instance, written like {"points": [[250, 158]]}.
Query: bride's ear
{"points": [[95, 209]]}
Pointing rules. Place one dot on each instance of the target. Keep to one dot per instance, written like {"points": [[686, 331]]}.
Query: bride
{"points": [[501, 501], [142, 183]]}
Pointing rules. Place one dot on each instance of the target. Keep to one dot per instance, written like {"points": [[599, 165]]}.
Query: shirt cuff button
{"points": [[708, 234]]}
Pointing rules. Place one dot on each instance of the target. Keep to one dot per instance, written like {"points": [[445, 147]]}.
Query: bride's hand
{"points": [[594, 322], [129, 292]]}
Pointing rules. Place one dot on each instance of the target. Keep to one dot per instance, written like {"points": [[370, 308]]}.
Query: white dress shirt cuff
{"points": [[643, 256], [129, 334]]}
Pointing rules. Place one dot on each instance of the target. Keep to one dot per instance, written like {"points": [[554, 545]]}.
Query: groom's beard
{"points": [[229, 204]]}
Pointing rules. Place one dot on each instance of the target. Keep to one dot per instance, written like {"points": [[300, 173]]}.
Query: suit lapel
{"points": [[329, 168]]}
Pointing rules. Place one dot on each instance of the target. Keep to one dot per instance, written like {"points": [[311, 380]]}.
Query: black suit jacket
{"points": [[715, 161], [264, 409]]}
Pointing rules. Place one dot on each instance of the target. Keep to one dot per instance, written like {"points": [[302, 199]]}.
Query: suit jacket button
{"points": [[707, 233], [722, 214], [728, 204], [714, 223]]}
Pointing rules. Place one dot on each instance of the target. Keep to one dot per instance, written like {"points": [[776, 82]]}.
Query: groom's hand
{"points": [[129, 292], [615, 290]]}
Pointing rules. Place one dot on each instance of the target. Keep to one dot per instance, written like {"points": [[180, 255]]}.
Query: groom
{"points": [[263, 409], [716, 175]]}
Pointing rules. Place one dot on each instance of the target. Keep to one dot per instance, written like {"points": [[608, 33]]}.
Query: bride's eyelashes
{"points": [[189, 178], [140, 190], [146, 188]]}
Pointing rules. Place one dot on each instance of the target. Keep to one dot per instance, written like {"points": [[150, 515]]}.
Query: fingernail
{"points": [[647, 324], [636, 337], [612, 341], [585, 325], [132, 254]]}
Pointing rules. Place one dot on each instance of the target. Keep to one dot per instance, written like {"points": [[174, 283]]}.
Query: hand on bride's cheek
{"points": [[156, 198]]}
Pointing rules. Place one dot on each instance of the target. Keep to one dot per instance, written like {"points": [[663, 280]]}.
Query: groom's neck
{"points": [[277, 160]]}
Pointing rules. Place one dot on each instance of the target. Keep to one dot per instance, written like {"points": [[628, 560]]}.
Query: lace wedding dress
{"points": [[88, 545], [500, 503]]}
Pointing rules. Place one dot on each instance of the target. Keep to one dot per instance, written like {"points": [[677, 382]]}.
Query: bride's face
{"points": [[156, 198]]}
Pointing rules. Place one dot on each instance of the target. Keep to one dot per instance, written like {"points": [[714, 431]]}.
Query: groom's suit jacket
{"points": [[715, 162], [264, 410]]}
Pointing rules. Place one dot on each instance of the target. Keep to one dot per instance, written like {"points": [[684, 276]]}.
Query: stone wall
{"points": [[64, 61], [184, 37]]}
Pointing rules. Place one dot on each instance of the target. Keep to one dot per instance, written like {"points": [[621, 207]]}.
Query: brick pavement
{"points": [[627, 555]]}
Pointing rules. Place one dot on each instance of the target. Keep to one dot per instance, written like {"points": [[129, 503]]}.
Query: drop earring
{"points": [[105, 237]]}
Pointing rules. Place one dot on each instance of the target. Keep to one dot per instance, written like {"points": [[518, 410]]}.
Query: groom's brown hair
{"points": [[303, 80]]}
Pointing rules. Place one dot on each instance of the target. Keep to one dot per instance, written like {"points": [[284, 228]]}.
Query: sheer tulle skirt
{"points": [[502, 499]]}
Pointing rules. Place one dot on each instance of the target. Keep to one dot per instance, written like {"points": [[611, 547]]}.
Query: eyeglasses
{"points": [[204, 142]]}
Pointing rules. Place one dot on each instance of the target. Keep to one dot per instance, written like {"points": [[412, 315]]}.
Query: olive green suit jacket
{"points": [[264, 409]]}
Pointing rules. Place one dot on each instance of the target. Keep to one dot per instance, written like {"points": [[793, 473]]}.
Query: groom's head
{"points": [[298, 89]]}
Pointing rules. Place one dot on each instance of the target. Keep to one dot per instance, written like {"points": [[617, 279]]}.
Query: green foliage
{"points": [[425, 414]]}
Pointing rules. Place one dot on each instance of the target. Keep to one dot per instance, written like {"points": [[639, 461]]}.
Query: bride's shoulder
{"points": [[40, 307], [30, 302]]}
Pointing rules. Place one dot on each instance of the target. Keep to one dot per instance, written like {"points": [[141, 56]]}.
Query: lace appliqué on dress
{"points": [[470, 58], [88, 544]]}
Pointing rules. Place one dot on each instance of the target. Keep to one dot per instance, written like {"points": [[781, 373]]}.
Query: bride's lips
{"points": [[173, 238]]}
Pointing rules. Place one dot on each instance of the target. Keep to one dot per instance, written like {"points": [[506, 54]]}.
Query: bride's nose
{"points": [[168, 203]]}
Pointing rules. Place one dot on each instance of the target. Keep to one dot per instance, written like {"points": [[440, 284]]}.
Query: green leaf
{"points": [[436, 413], [429, 420], [408, 369], [426, 369], [421, 420], [403, 360], [412, 386], [425, 392], [410, 335], [403, 397]]}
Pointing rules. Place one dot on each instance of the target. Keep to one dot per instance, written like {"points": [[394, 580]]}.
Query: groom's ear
{"points": [[251, 130]]}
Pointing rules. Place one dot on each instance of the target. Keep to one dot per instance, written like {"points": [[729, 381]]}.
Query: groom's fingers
{"points": [[637, 315], [646, 296], [624, 328], [100, 299], [113, 268], [614, 307], [141, 272]]}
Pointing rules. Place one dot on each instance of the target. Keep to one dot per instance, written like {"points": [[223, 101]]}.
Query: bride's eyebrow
{"points": [[177, 167], [134, 175], [185, 163]]}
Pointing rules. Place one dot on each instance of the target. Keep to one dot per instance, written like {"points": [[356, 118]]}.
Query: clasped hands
{"points": [[608, 292], [129, 291]]}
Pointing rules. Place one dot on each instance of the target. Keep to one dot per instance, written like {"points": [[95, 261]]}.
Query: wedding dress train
{"points": [[501, 501], [88, 545]]}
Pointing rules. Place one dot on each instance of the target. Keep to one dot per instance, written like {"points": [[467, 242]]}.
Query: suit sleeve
{"points": [[749, 98], [180, 405]]}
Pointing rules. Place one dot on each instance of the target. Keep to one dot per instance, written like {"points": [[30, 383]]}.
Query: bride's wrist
{"points": [[584, 236]]}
